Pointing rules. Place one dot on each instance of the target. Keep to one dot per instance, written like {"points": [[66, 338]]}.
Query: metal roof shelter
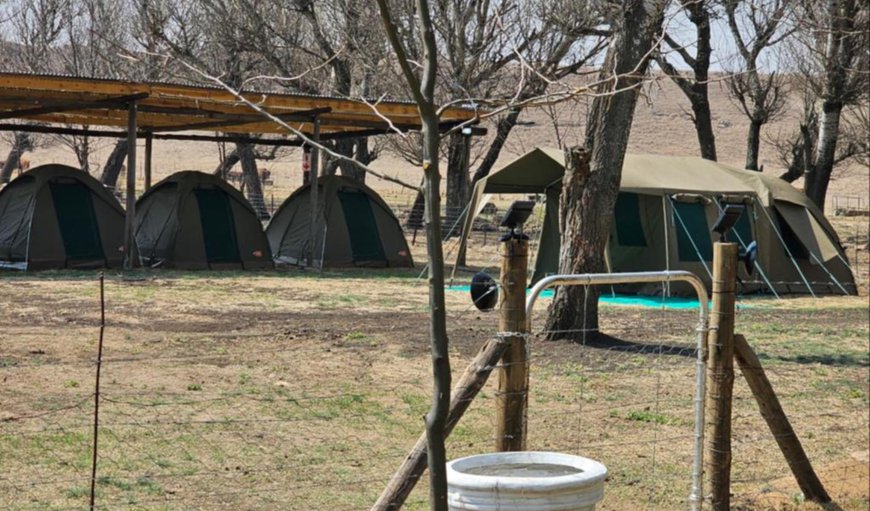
{"points": [[158, 110]]}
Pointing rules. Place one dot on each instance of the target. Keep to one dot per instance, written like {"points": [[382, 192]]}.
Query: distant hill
{"points": [[661, 126]]}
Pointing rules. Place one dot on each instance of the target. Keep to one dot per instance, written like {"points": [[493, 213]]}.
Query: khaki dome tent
{"points": [[55, 216], [196, 221], [359, 229], [664, 211]]}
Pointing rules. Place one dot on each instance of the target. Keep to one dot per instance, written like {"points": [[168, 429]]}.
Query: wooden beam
{"points": [[131, 254], [227, 137], [241, 120], [118, 102], [57, 130], [778, 423], [149, 146], [314, 231], [64, 88]]}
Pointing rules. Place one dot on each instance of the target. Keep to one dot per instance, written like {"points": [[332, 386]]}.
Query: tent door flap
{"points": [[365, 239], [77, 221], [218, 226]]}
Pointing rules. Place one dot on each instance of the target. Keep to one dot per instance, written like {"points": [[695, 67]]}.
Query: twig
{"points": [[97, 390]]}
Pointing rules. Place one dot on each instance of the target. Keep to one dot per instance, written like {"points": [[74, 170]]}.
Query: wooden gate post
{"points": [[720, 375], [513, 376]]}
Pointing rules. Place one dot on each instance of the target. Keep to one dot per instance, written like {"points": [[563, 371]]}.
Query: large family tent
{"points": [[55, 216], [193, 220], [359, 229], [664, 211]]}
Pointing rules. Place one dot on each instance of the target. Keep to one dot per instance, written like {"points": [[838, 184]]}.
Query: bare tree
{"points": [[503, 53], [36, 29], [694, 86], [756, 25], [836, 67], [422, 88], [592, 173], [22, 142], [92, 32], [201, 33], [336, 42]]}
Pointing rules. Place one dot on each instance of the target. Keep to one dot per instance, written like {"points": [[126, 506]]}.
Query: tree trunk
{"points": [[251, 180], [82, 148], [753, 140], [592, 175], [363, 155], [574, 311], [458, 183], [703, 120], [113, 165], [696, 89], [356, 148], [224, 167], [819, 175], [415, 216], [700, 17], [21, 143]]}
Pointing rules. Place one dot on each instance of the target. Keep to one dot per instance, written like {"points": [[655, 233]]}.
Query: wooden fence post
{"points": [[778, 423], [513, 377], [720, 375]]}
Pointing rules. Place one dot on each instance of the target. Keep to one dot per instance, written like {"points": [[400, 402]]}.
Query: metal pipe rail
{"points": [[696, 498]]}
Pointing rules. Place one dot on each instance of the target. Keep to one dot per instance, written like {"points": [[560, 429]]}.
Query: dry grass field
{"points": [[298, 390], [303, 390]]}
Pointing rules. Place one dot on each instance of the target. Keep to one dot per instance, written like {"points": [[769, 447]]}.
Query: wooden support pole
{"points": [[513, 377], [131, 255], [778, 423], [149, 146], [720, 375], [315, 216], [414, 465]]}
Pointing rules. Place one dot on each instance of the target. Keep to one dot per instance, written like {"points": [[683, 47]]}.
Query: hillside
{"points": [[661, 126]]}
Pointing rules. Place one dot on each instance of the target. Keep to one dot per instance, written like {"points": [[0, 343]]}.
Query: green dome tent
{"points": [[359, 228], [664, 211], [54, 217], [196, 221]]}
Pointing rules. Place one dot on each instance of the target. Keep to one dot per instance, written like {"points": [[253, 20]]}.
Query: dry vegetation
{"points": [[298, 390], [303, 390]]}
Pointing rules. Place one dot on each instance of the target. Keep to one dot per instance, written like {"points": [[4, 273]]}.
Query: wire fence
{"points": [[240, 409]]}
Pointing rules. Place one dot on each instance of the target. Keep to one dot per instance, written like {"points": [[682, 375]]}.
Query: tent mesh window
{"points": [[693, 233], [742, 231], [792, 242], [629, 228], [77, 221]]}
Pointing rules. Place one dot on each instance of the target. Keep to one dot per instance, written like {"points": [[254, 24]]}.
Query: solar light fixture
{"points": [[727, 219], [484, 291], [516, 216]]}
